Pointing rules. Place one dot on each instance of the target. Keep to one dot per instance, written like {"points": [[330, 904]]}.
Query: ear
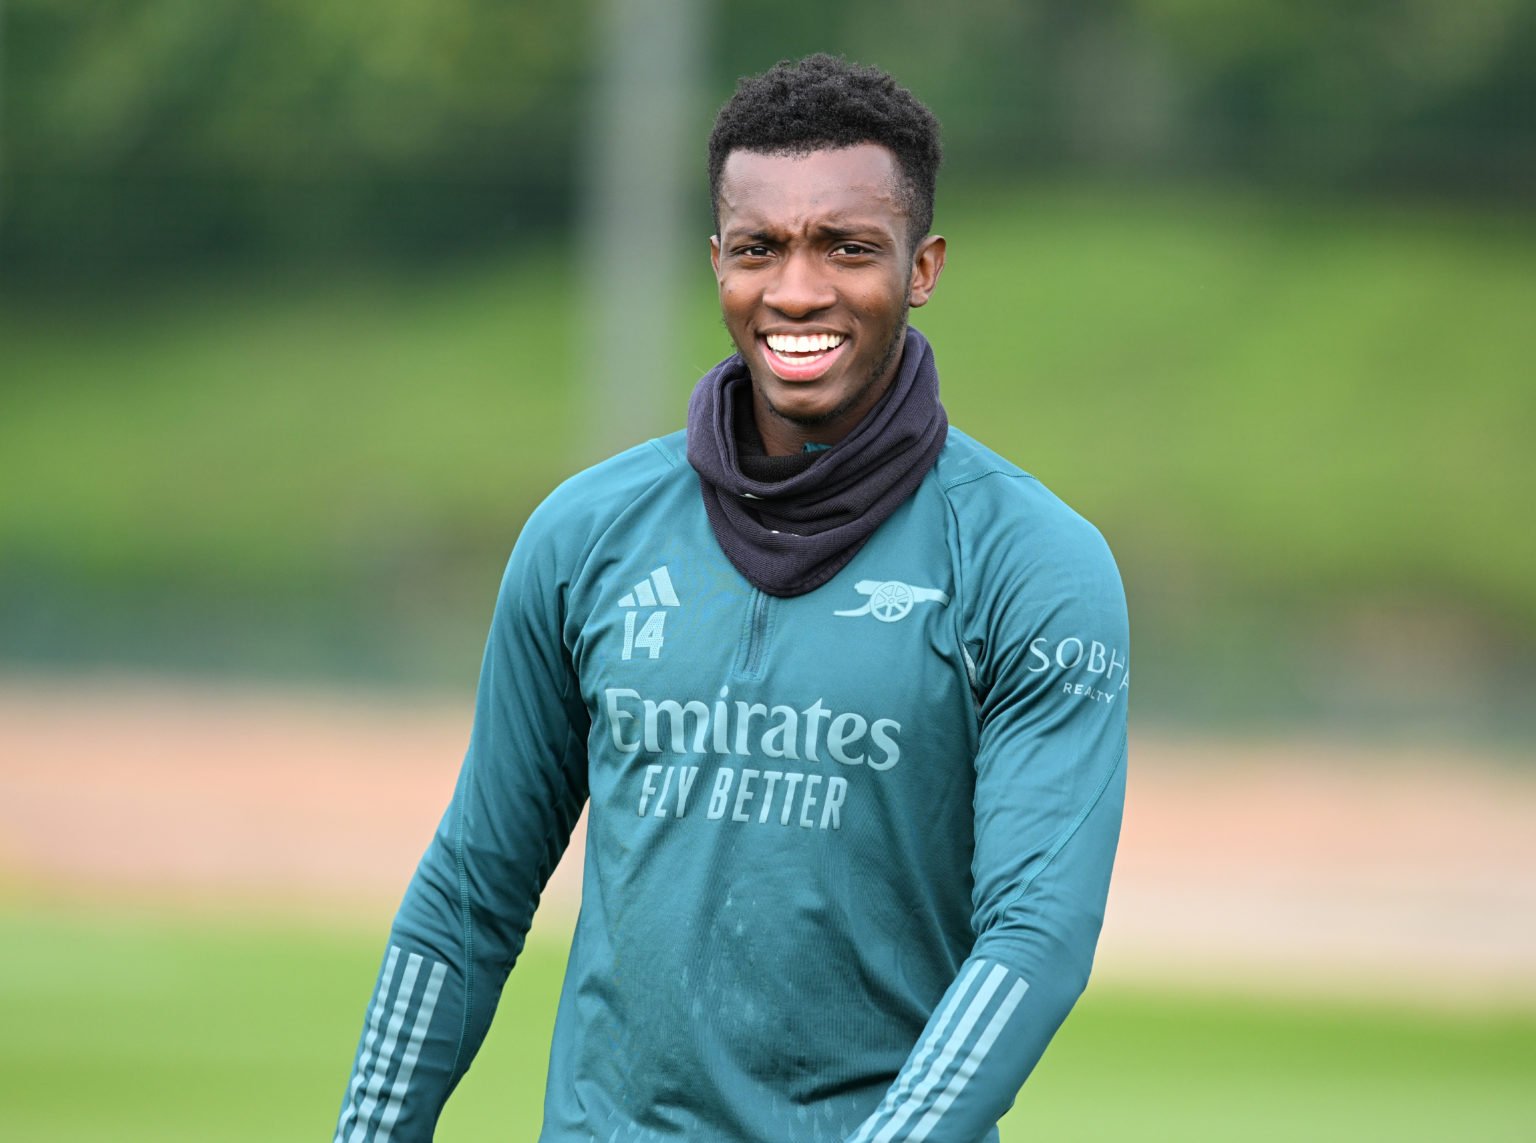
{"points": [[714, 254], [927, 265]]}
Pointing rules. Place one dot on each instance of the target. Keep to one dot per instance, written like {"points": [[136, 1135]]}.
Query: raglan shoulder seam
{"points": [[963, 479], [958, 613], [606, 504], [658, 443], [610, 516], [962, 528]]}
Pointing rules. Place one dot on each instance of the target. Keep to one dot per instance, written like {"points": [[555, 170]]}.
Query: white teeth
{"points": [[814, 343]]}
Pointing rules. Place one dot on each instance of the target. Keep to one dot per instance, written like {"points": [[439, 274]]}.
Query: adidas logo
{"points": [[655, 590]]}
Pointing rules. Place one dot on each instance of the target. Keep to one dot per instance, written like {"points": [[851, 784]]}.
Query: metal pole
{"points": [[2, 112], [643, 164]]}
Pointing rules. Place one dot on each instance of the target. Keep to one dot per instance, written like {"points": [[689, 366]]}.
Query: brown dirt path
{"points": [[1286, 862]]}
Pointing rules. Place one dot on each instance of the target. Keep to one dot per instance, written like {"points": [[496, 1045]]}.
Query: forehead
{"points": [[859, 183]]}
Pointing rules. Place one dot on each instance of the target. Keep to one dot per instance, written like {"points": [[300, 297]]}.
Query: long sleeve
{"points": [[1049, 649], [467, 910]]}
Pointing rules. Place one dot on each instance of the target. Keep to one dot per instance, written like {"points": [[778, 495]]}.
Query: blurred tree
{"points": [[1307, 90], [158, 131], [149, 130]]}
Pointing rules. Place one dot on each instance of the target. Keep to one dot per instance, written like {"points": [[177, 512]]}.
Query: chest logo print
{"points": [[654, 591], [890, 599]]}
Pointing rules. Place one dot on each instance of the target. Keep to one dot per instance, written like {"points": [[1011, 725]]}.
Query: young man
{"points": [[845, 693]]}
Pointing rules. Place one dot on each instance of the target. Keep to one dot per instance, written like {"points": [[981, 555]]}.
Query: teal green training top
{"points": [[847, 852]]}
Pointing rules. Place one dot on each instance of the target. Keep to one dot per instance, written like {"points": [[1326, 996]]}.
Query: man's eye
{"points": [[753, 252], [852, 248]]}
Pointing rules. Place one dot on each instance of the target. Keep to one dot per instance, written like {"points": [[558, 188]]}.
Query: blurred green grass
{"points": [[1295, 399], [1316, 398], [166, 1025], [1299, 425]]}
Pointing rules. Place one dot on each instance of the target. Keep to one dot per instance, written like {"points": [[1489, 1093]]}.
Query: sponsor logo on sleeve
{"points": [[1091, 669]]}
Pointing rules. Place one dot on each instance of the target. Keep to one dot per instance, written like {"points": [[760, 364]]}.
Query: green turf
{"points": [[165, 1026]]}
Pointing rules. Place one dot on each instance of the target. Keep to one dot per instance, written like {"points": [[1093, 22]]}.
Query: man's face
{"points": [[816, 273]]}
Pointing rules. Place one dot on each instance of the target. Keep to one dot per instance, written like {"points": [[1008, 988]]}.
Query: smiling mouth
{"points": [[802, 357]]}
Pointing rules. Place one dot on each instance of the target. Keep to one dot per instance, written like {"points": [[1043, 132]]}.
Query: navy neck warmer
{"points": [[790, 536]]}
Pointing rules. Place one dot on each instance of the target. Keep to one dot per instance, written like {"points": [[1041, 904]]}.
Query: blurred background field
{"points": [[1304, 428], [302, 309], [1304, 940], [135, 1012]]}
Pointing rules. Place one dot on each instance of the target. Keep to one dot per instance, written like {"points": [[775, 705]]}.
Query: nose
{"points": [[801, 286]]}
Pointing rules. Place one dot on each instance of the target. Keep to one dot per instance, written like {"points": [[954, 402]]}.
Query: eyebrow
{"points": [[830, 233], [836, 232]]}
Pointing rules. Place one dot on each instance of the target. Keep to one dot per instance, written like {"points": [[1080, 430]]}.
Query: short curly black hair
{"points": [[824, 102]]}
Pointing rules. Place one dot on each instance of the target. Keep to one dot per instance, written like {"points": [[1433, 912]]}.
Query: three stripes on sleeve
{"points": [[964, 1030], [391, 1046]]}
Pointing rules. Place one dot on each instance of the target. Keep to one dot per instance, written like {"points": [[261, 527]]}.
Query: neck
{"points": [[784, 437], [790, 532]]}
